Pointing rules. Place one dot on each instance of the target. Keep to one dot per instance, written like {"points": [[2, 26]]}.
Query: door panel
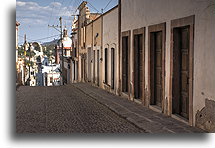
{"points": [[158, 69], [125, 65], [89, 64], [185, 72], [138, 66], [112, 67], [181, 71], [98, 72]]}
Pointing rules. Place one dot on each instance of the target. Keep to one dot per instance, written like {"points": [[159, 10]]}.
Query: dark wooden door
{"points": [[138, 66], [98, 67], [106, 65], [181, 72], [156, 68], [125, 64], [94, 66], [112, 67], [89, 64]]}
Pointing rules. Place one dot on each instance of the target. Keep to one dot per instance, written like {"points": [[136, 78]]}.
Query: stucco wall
{"points": [[89, 35], [97, 29], [110, 40], [143, 13]]}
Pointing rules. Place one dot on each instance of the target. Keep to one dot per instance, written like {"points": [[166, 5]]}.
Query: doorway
{"points": [[156, 68], [112, 68], [180, 92], [181, 70], [157, 38], [138, 66], [98, 64], [125, 63], [89, 64]]}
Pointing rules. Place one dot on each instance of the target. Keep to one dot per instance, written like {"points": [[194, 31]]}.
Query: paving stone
{"points": [[139, 115], [65, 109]]}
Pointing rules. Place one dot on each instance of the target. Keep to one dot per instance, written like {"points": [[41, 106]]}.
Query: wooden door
{"points": [[181, 72], [158, 69], [125, 64], [106, 65], [138, 66], [94, 66], [89, 64], [112, 67], [98, 67]]}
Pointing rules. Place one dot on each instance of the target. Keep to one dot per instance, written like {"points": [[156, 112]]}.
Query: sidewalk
{"points": [[142, 117]]}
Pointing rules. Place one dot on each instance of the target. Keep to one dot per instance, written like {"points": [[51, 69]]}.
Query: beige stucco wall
{"points": [[110, 40], [97, 46], [89, 35], [143, 13], [97, 29]]}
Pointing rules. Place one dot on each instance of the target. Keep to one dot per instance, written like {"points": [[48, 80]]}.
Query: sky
{"points": [[34, 16]]}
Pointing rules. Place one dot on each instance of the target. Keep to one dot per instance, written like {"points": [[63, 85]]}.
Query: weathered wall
{"points": [[110, 40], [89, 35], [97, 36], [143, 13], [89, 43], [97, 30]]}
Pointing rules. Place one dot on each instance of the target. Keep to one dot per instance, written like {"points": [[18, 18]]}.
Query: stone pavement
{"points": [[65, 109], [144, 118]]}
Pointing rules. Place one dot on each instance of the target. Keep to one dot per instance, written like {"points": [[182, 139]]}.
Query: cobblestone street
{"points": [[81, 108], [65, 109]]}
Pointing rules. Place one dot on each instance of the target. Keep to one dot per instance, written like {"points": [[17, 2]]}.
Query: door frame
{"points": [[177, 23], [140, 31], [125, 34], [153, 29]]}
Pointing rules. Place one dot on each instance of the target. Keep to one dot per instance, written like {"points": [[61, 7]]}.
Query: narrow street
{"points": [[65, 109], [81, 108]]}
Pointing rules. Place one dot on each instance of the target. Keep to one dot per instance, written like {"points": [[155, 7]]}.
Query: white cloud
{"points": [[18, 3], [55, 4], [32, 12]]}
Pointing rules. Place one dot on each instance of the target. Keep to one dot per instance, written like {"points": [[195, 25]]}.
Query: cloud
{"points": [[35, 14], [55, 4]]}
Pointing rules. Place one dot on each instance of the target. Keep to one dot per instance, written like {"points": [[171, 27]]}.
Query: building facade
{"points": [[156, 53], [165, 49], [110, 54]]}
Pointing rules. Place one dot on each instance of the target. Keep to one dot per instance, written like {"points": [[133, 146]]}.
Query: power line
{"points": [[40, 38], [107, 4], [93, 7]]}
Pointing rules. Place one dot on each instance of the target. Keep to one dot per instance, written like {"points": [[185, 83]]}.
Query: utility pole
{"points": [[61, 34], [61, 38], [29, 79]]}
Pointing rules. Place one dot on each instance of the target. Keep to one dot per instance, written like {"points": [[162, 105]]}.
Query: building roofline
{"points": [[103, 14], [84, 2]]}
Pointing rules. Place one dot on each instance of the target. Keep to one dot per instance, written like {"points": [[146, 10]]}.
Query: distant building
{"points": [[18, 73], [50, 75]]}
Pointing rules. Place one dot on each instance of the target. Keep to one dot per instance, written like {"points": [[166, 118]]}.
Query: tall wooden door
{"points": [[156, 68], [94, 66], [125, 64], [98, 70], [89, 64], [181, 71], [112, 68], [138, 66]]}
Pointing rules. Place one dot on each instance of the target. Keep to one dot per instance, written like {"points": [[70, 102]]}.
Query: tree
{"points": [[49, 52]]}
